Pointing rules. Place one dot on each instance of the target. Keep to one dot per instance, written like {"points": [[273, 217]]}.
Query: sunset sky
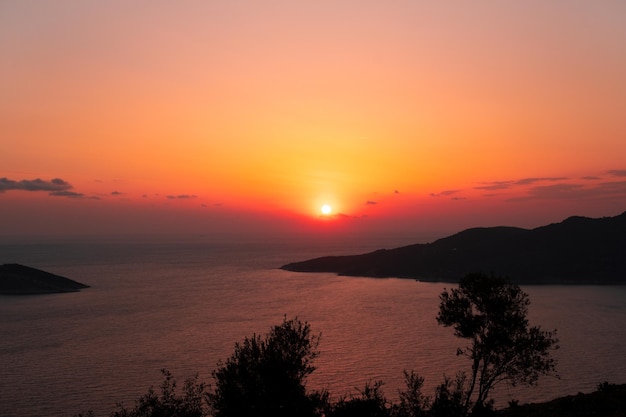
{"points": [[408, 117]]}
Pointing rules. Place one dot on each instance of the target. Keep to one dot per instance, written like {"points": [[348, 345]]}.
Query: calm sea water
{"points": [[182, 305]]}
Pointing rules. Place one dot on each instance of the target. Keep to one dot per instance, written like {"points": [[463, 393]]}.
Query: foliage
{"points": [[370, 403], [169, 403], [266, 377], [606, 386], [449, 397], [491, 313], [412, 402]]}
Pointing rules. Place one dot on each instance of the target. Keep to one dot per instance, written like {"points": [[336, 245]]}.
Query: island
{"points": [[578, 250], [16, 279]]}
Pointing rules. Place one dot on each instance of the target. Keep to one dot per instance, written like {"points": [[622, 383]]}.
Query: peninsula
{"points": [[578, 250], [16, 279]]}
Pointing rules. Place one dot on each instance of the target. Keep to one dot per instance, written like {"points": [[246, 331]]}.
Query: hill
{"points": [[608, 401], [578, 250], [16, 279]]}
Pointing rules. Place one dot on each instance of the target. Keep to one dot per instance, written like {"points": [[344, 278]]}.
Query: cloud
{"points": [[556, 191], [72, 194], [370, 203], [618, 172], [576, 191], [449, 192], [590, 178], [117, 193], [528, 181], [181, 196], [444, 193], [55, 184], [495, 185], [56, 187], [339, 216], [504, 185], [613, 187]]}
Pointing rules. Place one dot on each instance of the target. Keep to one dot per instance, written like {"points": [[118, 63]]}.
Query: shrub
{"points": [[169, 403], [266, 377]]}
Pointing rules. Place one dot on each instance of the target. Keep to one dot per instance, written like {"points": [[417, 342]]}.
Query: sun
{"points": [[326, 209]]}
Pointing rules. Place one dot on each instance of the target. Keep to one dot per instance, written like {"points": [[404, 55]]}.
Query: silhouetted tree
{"points": [[491, 313], [266, 377], [169, 403]]}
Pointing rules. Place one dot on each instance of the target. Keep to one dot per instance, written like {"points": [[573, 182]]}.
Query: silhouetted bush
{"points": [[412, 402], [266, 377], [370, 402], [450, 398], [606, 387], [168, 404]]}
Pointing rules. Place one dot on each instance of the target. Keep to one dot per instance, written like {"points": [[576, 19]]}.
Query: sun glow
{"points": [[326, 209]]}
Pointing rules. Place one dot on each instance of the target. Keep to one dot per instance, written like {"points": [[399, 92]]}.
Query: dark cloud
{"points": [[449, 192], [495, 185], [181, 196], [117, 193], [556, 191], [396, 192], [71, 194], [503, 185], [370, 203], [339, 216], [576, 191], [590, 178], [528, 181], [56, 187], [618, 172], [613, 188], [56, 184], [444, 193]]}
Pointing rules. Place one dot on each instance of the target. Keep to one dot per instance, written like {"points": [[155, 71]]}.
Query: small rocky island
{"points": [[578, 250], [16, 279]]}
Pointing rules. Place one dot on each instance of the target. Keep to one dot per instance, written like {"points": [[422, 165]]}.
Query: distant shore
{"points": [[16, 279], [578, 250]]}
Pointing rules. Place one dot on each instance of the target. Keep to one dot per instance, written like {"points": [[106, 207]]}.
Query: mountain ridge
{"points": [[577, 250]]}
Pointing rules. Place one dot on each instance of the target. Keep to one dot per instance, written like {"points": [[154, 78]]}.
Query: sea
{"points": [[182, 303]]}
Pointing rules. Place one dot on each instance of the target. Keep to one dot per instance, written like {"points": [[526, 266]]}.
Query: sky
{"points": [[417, 118]]}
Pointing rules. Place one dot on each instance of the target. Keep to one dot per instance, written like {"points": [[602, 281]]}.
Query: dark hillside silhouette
{"points": [[578, 250], [16, 279]]}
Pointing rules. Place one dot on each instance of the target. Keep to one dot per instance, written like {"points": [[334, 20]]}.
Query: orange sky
{"points": [[406, 117]]}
